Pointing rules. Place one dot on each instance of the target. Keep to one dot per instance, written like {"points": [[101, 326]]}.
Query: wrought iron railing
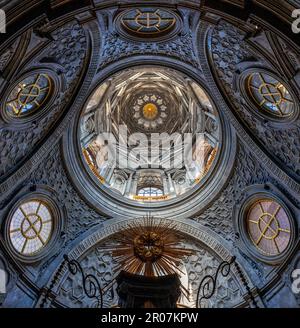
{"points": [[209, 283], [207, 287]]}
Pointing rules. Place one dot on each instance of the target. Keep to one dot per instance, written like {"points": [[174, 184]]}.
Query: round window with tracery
{"points": [[149, 22], [29, 95], [270, 95], [269, 227], [31, 227]]}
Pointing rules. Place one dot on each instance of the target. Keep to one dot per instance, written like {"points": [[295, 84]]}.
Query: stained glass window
{"points": [[269, 227], [29, 95], [31, 227], [150, 192], [270, 94]]}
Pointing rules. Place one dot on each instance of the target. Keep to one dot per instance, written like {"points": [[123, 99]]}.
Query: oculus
{"points": [[29, 95], [30, 227], [150, 110], [148, 22], [149, 122], [269, 227], [270, 95]]}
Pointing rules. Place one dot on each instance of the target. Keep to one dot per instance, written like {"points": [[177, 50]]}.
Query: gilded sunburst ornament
{"points": [[149, 248]]}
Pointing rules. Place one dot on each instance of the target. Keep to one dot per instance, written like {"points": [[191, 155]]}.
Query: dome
{"points": [[149, 154], [149, 134]]}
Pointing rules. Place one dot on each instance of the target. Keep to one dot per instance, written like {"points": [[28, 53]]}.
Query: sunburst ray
{"points": [[149, 247]]}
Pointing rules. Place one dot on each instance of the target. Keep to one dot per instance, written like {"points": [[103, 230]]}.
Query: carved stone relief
{"points": [[218, 217], [79, 216], [292, 56], [6, 56], [228, 49], [100, 263], [68, 50], [116, 48]]}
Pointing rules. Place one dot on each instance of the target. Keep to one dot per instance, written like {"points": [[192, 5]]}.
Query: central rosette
{"points": [[148, 246], [150, 111]]}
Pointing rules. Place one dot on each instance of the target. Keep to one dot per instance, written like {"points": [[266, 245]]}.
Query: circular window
{"points": [[270, 95], [31, 227], [148, 22], [29, 95], [269, 227]]}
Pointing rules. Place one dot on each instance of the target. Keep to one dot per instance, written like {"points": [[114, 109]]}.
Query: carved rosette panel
{"points": [[228, 49], [218, 217], [52, 173], [116, 48], [98, 263], [101, 264], [204, 263], [79, 217], [68, 51]]}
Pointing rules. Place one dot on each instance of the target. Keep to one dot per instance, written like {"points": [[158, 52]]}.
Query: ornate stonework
{"points": [[229, 51], [7, 55], [16, 143], [100, 262], [257, 154], [116, 48], [218, 217]]}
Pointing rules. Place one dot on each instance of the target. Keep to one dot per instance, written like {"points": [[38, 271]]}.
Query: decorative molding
{"points": [[218, 217], [282, 141], [79, 217]]}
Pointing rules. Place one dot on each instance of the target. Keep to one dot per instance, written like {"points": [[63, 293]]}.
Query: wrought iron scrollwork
{"points": [[208, 284], [91, 285], [206, 290]]}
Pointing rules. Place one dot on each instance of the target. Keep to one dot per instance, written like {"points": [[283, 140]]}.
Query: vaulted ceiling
{"points": [[72, 70]]}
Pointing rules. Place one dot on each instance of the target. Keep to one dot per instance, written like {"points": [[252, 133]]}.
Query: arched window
{"points": [[150, 192]]}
